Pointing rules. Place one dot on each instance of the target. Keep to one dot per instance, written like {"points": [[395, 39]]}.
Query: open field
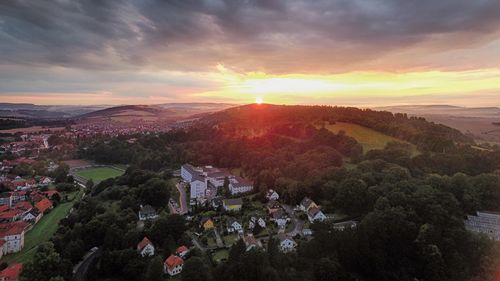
{"points": [[368, 138], [42, 231], [98, 174]]}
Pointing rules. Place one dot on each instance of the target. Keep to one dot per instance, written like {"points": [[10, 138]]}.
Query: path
{"points": [[182, 198], [80, 270], [218, 239]]}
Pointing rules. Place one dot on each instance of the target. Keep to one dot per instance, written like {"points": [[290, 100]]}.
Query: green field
{"points": [[368, 138], [220, 255], [42, 231], [98, 174]]}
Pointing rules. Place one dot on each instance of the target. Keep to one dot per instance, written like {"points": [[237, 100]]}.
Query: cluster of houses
{"points": [[22, 205], [173, 264], [29, 145], [206, 181]]}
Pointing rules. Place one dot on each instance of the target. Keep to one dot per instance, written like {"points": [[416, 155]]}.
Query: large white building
{"points": [[200, 178], [485, 222]]}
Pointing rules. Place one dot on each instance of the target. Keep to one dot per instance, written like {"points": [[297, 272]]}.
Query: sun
{"points": [[259, 100]]}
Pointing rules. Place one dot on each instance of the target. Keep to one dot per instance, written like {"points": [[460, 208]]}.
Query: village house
{"points": [[254, 221], [147, 212], [287, 244], [234, 226], [273, 206], [207, 224], [146, 248], [251, 242], [6, 199], [33, 216], [44, 205], [44, 182], [13, 234], [182, 251], [272, 195], [280, 218], [306, 204], [11, 273], [315, 214], [233, 204], [173, 265]]}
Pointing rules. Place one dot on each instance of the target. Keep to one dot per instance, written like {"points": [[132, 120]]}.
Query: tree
{"points": [[89, 184], [154, 271], [46, 264], [155, 192], [195, 270]]}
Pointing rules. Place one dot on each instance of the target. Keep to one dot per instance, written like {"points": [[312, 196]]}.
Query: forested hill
{"points": [[426, 135]]}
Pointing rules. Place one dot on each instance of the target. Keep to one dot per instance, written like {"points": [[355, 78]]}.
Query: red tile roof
{"points": [[13, 228], [51, 193], [143, 243], [181, 249], [10, 214], [173, 261], [4, 208], [24, 205], [12, 272], [43, 205]]}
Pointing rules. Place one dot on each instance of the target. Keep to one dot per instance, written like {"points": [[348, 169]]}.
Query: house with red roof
{"points": [[145, 247], [43, 205], [11, 215], [52, 195], [13, 234], [182, 251], [173, 265], [11, 273]]}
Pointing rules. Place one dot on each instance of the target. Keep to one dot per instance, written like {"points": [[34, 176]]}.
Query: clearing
{"points": [[368, 138], [98, 174]]}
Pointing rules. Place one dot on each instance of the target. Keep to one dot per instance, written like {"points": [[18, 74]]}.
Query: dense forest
{"points": [[410, 207]]}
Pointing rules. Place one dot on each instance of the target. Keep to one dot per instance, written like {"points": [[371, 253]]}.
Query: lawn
{"points": [[98, 174], [220, 255], [368, 138], [41, 232], [230, 239]]}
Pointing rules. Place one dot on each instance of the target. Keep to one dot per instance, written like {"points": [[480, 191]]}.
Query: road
{"points": [[182, 198], [298, 224], [218, 239], [80, 270]]}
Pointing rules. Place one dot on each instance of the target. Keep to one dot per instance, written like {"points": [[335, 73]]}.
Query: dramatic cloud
{"points": [[126, 38]]}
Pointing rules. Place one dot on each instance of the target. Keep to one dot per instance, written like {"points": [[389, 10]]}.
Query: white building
{"points": [[234, 226], [315, 214], [13, 234], [239, 185], [146, 248], [287, 244], [272, 195], [485, 222], [173, 265]]}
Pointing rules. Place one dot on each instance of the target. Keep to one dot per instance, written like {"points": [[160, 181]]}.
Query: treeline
{"points": [[426, 135]]}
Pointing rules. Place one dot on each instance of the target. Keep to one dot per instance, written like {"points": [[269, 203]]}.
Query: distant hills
{"points": [[477, 122], [106, 112], [165, 112]]}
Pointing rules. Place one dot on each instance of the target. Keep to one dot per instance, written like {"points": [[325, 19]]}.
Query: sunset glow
{"points": [[291, 53]]}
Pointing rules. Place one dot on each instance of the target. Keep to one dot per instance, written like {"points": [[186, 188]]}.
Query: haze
{"points": [[347, 52]]}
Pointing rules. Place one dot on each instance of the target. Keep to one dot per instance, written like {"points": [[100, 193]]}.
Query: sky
{"points": [[343, 52]]}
